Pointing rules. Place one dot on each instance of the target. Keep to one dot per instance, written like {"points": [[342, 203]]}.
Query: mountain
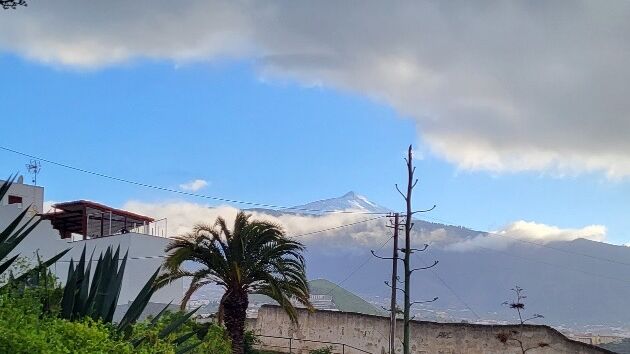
{"points": [[350, 201], [580, 285]]}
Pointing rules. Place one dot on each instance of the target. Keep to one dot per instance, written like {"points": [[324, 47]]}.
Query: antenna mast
{"points": [[33, 168]]}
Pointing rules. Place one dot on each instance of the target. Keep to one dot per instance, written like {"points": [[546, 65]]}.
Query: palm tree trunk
{"points": [[235, 312]]}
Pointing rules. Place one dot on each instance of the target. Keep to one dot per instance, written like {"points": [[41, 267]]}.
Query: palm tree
{"points": [[255, 257]]}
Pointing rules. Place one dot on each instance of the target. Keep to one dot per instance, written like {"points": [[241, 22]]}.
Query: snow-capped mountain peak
{"points": [[349, 201]]}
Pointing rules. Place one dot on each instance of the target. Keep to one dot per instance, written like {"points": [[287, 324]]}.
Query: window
{"points": [[14, 199]]}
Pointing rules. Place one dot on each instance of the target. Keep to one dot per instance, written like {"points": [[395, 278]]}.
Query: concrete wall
{"points": [[370, 333], [31, 195], [145, 255]]}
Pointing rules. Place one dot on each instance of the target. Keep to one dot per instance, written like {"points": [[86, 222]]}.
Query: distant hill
{"points": [[343, 299]]}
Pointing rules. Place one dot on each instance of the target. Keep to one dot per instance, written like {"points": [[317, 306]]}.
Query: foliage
{"points": [[201, 337], [253, 257], [25, 329], [325, 350], [249, 341]]}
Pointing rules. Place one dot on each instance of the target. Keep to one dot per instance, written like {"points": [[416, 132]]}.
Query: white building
{"points": [[80, 224]]}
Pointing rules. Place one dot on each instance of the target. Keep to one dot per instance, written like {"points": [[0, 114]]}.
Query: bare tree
{"points": [[514, 336]]}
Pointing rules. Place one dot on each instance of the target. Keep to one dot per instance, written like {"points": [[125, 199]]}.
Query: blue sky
{"points": [[519, 113], [270, 141]]}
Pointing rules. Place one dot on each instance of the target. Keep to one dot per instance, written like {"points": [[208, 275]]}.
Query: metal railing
{"points": [[345, 348], [156, 228]]}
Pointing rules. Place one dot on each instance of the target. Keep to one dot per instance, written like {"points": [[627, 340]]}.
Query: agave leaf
{"points": [[181, 339], [84, 290], [187, 348], [105, 280], [176, 324], [8, 231], [4, 266], [7, 184], [139, 303], [96, 280], [80, 271], [67, 301], [114, 293], [157, 317]]}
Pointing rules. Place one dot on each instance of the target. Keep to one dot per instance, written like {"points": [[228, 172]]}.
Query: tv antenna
{"points": [[33, 168]]}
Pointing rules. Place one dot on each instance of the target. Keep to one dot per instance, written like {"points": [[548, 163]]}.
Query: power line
{"points": [[359, 267], [604, 259], [165, 189], [438, 277]]}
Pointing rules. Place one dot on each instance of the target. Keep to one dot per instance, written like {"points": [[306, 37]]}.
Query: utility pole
{"points": [[392, 325]]}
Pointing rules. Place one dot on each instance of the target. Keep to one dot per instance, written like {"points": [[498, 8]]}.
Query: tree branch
{"points": [[425, 210], [423, 268], [377, 256], [424, 302], [401, 193]]}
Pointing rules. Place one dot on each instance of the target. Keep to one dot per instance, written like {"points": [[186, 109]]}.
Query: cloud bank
{"points": [[498, 86], [529, 231], [183, 215]]}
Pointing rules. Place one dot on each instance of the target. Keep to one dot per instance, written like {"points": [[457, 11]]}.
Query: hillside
{"points": [[345, 300]]}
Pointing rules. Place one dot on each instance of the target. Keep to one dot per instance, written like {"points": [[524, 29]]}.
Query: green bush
{"points": [[24, 329], [208, 338]]}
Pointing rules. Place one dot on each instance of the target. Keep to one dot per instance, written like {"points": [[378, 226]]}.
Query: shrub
{"points": [[207, 337], [24, 329], [325, 350]]}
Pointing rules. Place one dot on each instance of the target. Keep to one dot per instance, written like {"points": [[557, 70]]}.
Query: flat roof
{"points": [[77, 205]]}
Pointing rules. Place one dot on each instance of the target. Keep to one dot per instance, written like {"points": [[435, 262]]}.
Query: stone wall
{"points": [[370, 334]]}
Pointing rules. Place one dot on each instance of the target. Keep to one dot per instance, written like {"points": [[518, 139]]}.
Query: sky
{"points": [[517, 111]]}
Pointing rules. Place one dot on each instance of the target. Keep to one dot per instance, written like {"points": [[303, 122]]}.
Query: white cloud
{"points": [[194, 186], [509, 86], [530, 232]]}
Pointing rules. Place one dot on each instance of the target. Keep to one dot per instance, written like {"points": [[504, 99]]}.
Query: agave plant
{"points": [[16, 232], [96, 296]]}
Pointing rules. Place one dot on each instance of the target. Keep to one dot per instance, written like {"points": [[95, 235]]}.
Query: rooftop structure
{"points": [[93, 220]]}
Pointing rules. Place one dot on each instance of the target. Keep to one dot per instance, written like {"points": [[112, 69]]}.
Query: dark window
{"points": [[14, 199]]}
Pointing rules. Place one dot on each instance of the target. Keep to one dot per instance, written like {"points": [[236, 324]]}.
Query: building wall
{"points": [[145, 255], [370, 333], [31, 195]]}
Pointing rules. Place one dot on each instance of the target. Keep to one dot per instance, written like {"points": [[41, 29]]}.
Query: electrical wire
{"points": [[359, 267], [439, 278], [197, 195]]}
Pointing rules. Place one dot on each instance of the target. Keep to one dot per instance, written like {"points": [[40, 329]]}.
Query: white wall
{"points": [[48, 243], [31, 195]]}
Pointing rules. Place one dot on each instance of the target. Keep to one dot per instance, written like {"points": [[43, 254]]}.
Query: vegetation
{"points": [[37, 315], [325, 350], [253, 257]]}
